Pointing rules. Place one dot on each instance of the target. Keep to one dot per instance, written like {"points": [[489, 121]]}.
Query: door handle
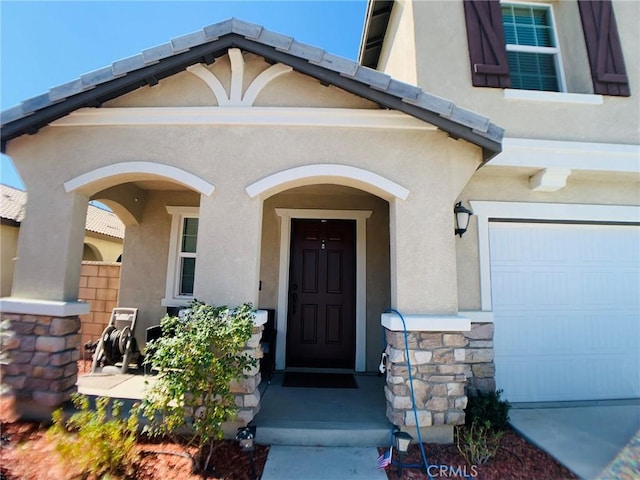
{"points": [[294, 303]]}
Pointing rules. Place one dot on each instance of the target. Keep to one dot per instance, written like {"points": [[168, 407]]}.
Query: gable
{"points": [[148, 68], [289, 89]]}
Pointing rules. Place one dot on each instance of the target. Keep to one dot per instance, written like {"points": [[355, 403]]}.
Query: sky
{"points": [[47, 43]]}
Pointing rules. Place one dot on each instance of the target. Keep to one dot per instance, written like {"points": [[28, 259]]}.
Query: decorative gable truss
{"points": [[193, 51], [488, 54]]}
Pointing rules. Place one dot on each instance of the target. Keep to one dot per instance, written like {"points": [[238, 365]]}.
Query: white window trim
{"points": [[555, 51], [360, 216], [171, 297], [486, 210]]}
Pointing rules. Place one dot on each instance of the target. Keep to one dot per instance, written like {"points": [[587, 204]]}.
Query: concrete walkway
{"points": [[584, 438], [322, 463]]}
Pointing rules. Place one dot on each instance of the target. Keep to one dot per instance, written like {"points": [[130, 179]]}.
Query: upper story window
{"points": [[181, 266], [515, 45], [532, 47]]}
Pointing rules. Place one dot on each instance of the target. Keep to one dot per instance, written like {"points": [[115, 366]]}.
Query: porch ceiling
{"points": [[149, 67]]}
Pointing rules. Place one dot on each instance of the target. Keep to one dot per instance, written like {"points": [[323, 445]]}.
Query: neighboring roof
{"points": [[204, 46], [376, 21], [13, 204]]}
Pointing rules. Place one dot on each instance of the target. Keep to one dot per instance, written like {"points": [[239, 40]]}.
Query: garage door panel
{"points": [[566, 310]]}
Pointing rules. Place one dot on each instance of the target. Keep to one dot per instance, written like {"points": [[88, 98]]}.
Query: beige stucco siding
{"points": [[443, 69], [8, 248], [144, 266]]}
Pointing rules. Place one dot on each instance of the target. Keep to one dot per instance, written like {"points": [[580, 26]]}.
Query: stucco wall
{"points": [[377, 262], [443, 69], [110, 248], [8, 248], [144, 265]]}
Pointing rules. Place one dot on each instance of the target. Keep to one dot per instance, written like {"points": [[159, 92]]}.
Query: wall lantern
{"points": [[462, 218], [245, 437]]}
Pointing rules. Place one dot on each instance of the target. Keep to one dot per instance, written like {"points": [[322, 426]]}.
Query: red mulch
{"points": [[27, 454], [516, 459]]}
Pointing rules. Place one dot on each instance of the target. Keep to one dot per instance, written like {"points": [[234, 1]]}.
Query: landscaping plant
{"points": [[197, 357], [97, 441], [486, 418]]}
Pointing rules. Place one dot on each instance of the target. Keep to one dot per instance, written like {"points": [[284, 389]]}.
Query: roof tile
{"points": [[217, 30], [403, 90], [128, 64], [154, 54], [67, 90], [281, 42], [36, 103], [97, 77], [246, 29], [338, 64], [471, 119], [11, 114], [373, 77], [308, 52], [441, 106], [12, 203], [185, 42]]}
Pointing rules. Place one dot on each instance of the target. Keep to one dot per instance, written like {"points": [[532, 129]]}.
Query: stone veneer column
{"points": [[41, 369], [247, 395], [437, 355], [481, 370]]}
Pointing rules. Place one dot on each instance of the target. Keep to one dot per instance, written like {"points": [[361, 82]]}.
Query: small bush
{"points": [[478, 443], [197, 361], [488, 408], [97, 442]]}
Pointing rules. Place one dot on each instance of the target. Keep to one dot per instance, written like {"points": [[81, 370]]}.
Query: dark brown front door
{"points": [[321, 323]]}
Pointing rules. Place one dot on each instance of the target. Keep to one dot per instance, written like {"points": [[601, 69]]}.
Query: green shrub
{"points": [[490, 408], [478, 443], [97, 442], [191, 396]]}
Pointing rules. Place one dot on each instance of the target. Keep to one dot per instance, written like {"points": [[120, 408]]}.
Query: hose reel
{"points": [[117, 344]]}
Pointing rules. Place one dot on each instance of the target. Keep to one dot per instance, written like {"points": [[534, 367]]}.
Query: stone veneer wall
{"points": [[42, 365], [247, 395], [480, 369], [439, 378], [99, 287]]}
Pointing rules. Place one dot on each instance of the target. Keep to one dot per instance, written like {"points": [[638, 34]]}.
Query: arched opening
{"points": [[90, 253], [368, 216]]}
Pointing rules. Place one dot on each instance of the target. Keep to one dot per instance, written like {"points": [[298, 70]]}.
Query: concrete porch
{"points": [[288, 416]]}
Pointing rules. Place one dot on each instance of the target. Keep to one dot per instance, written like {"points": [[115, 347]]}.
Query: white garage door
{"points": [[566, 311]]}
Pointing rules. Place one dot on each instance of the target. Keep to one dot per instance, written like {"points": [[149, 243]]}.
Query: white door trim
{"points": [[486, 210], [360, 216]]}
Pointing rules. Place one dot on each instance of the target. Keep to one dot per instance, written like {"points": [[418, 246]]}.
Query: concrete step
{"points": [[306, 434]]}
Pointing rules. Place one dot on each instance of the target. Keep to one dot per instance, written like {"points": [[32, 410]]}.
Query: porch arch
{"points": [[98, 179], [327, 173]]}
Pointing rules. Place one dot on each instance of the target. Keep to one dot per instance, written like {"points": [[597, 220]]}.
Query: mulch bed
{"points": [[516, 459]]}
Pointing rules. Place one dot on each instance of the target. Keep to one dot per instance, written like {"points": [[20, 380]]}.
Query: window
{"points": [[181, 265], [515, 45], [532, 47]]}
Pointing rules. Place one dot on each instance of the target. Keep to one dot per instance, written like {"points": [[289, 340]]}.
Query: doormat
{"points": [[319, 380]]}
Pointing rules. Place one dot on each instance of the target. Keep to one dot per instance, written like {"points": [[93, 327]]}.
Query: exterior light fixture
{"points": [[401, 442], [245, 437], [462, 218]]}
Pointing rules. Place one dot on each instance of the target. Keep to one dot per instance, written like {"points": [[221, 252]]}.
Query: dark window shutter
{"points": [[603, 47], [485, 36]]}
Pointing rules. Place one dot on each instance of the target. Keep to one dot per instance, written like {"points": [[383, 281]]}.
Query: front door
{"points": [[322, 284]]}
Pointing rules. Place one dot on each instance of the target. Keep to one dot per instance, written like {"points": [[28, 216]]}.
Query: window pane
{"points": [[187, 274], [189, 235], [528, 26], [533, 71]]}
